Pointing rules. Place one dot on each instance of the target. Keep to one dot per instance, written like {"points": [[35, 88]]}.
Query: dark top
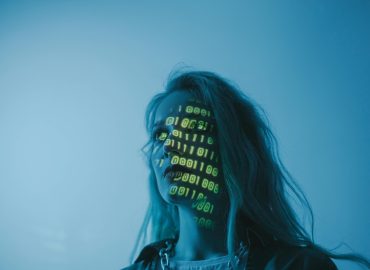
{"points": [[271, 257]]}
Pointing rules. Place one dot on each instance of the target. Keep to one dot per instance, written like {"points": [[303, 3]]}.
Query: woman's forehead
{"points": [[176, 102]]}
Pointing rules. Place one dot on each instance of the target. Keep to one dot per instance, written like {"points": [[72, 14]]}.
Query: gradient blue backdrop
{"points": [[75, 77]]}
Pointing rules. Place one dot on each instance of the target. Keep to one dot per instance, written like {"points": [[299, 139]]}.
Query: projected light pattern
{"points": [[188, 135]]}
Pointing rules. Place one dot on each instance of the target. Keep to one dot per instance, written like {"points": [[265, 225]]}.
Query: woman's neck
{"points": [[199, 242]]}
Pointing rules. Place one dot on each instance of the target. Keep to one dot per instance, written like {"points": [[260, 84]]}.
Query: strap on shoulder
{"points": [[151, 251]]}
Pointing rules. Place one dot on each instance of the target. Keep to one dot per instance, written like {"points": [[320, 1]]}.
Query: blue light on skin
{"points": [[195, 242]]}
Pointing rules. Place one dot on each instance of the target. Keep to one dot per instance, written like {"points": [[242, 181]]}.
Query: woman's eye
{"points": [[159, 135], [201, 126], [198, 128], [162, 136]]}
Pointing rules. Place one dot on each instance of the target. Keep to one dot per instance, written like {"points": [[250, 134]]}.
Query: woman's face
{"points": [[185, 154]]}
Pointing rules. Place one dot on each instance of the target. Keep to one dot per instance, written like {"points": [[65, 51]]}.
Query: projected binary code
{"points": [[188, 133]]}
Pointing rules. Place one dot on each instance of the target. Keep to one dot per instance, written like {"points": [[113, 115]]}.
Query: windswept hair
{"points": [[258, 184]]}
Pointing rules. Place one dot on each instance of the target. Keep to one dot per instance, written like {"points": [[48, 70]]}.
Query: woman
{"points": [[217, 186]]}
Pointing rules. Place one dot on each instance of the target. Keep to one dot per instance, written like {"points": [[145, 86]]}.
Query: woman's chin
{"points": [[174, 194]]}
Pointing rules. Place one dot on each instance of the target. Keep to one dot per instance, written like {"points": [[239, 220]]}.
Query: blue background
{"points": [[75, 77]]}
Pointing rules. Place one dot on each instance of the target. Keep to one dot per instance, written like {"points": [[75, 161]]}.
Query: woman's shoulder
{"points": [[271, 257], [278, 257], [148, 256]]}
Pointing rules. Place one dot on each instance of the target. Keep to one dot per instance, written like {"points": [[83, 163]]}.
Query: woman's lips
{"points": [[174, 174], [175, 170]]}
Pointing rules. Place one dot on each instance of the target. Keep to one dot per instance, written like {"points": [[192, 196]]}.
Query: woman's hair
{"points": [[258, 184]]}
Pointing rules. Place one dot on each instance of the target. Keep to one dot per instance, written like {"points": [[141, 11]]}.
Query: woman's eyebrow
{"points": [[196, 117], [162, 122]]}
